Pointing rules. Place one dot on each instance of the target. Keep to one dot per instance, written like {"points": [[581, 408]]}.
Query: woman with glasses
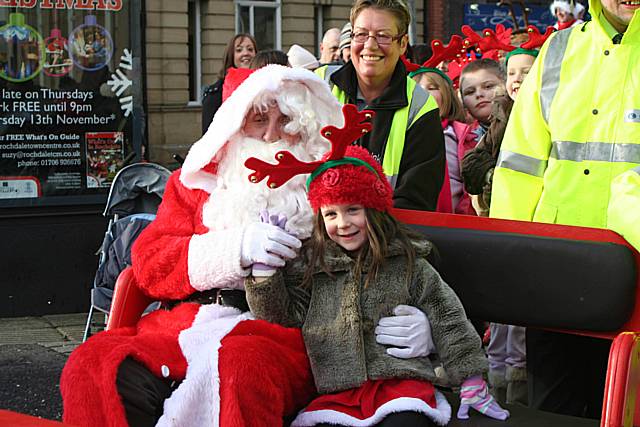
{"points": [[407, 136]]}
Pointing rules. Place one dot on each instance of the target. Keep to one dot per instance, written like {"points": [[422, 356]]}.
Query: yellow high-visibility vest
{"points": [[574, 128]]}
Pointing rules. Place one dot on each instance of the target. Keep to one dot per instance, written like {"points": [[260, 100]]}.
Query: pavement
{"points": [[33, 351]]}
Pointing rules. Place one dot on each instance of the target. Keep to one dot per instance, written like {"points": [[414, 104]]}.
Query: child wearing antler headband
{"points": [[439, 85], [359, 264]]}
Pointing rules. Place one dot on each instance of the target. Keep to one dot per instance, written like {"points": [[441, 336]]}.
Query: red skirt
{"points": [[370, 403]]}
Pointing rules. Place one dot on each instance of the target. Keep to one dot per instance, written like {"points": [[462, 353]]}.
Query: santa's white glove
{"points": [[408, 333], [259, 269], [267, 244]]}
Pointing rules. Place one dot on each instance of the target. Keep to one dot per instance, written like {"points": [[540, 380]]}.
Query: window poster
{"points": [[70, 98]]}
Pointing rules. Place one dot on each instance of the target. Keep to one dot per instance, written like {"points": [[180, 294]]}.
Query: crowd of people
{"points": [[305, 292]]}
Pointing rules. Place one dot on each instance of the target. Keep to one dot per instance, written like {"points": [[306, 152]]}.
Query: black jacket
{"points": [[422, 164], [211, 101]]}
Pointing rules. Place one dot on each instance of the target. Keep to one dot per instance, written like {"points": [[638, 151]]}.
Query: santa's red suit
{"points": [[235, 371]]}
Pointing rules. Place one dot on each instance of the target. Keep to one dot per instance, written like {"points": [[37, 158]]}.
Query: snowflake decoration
{"points": [[120, 82]]}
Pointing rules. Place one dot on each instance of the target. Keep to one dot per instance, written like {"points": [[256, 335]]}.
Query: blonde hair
{"points": [[451, 108], [398, 8]]}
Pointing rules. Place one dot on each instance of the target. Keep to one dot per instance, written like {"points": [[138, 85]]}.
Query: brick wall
{"points": [[437, 18]]}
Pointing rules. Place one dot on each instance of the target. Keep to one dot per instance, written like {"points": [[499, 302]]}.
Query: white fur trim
{"points": [[214, 260], [230, 116], [564, 5], [196, 402], [440, 415]]}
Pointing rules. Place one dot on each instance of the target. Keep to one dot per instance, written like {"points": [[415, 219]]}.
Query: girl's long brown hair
{"points": [[382, 229]]}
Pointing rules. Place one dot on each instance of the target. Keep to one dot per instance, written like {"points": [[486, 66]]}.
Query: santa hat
{"points": [[233, 79], [357, 178], [346, 174], [300, 57], [561, 4], [272, 79]]}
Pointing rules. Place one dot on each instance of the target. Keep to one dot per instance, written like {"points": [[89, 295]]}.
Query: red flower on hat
{"points": [[380, 188], [331, 178]]}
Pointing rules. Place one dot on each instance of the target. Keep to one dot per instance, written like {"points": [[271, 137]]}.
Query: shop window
{"points": [[263, 20], [71, 100], [195, 54]]}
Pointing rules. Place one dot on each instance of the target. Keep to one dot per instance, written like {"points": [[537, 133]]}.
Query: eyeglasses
{"points": [[361, 37]]}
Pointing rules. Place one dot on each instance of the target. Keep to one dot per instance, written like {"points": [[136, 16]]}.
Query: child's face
{"points": [[346, 225], [517, 69], [478, 90], [431, 87]]}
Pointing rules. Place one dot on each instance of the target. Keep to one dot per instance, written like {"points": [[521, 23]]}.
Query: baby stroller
{"points": [[136, 192]]}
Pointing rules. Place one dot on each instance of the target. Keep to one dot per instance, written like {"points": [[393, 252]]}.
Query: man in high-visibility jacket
{"points": [[573, 131]]}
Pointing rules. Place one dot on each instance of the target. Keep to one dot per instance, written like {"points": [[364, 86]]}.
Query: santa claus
{"points": [[567, 13], [203, 360]]}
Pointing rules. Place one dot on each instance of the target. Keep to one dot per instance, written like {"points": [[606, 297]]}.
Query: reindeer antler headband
{"points": [[356, 124], [440, 52], [535, 41]]}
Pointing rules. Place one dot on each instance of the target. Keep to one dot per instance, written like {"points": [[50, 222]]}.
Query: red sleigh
{"points": [[572, 279]]}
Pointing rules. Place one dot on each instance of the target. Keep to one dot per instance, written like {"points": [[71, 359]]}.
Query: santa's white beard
{"points": [[237, 202]]}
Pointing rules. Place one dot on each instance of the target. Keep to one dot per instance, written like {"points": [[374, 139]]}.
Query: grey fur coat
{"points": [[338, 318]]}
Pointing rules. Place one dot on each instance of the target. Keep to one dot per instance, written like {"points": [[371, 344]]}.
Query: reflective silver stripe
{"points": [[521, 163], [551, 70], [393, 180], [419, 97], [328, 72], [597, 151], [632, 116], [636, 170]]}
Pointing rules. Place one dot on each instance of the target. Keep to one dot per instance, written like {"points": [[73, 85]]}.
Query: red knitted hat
{"points": [[355, 179]]}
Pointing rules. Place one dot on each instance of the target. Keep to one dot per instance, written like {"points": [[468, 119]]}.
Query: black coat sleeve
{"points": [[211, 101], [422, 165]]}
